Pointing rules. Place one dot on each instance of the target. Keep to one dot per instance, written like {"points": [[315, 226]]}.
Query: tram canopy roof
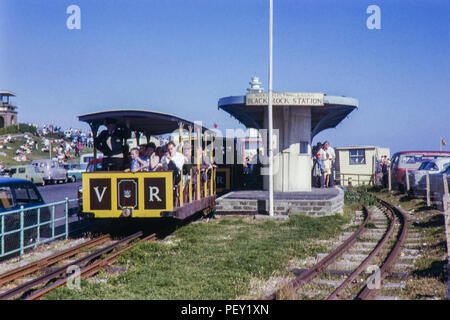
{"points": [[147, 122]]}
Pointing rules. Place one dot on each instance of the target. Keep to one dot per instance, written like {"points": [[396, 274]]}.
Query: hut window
{"points": [[357, 156]]}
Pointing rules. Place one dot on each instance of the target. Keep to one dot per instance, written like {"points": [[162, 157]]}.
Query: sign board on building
{"points": [[285, 99]]}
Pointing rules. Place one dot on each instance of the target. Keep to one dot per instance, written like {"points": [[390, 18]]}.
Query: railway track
{"points": [[375, 246], [44, 271]]}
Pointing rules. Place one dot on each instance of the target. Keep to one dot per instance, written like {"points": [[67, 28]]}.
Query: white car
{"points": [[419, 186], [432, 166]]}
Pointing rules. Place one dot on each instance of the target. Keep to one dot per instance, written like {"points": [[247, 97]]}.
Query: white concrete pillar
{"points": [[292, 170]]}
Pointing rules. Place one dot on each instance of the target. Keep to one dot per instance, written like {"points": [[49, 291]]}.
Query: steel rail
{"points": [[61, 270], [50, 260], [366, 293], [335, 295], [319, 267], [89, 270]]}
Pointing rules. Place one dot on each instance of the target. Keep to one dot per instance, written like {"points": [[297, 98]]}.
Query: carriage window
{"points": [[21, 170], [357, 156], [6, 198]]}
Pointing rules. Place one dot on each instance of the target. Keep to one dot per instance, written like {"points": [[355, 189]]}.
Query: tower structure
{"points": [[8, 113]]}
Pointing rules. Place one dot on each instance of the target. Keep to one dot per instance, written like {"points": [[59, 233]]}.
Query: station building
{"points": [[8, 113], [298, 117]]}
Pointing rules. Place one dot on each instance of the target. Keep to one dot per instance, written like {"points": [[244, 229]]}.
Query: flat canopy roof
{"points": [[334, 110], [7, 93], [147, 122]]}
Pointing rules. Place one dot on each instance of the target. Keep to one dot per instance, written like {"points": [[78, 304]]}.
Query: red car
{"points": [[411, 160]]}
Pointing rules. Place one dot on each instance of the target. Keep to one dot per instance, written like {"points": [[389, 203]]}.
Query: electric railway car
{"points": [[116, 194]]}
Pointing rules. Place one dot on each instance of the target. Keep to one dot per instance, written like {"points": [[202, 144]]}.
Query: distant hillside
{"points": [[18, 138]]}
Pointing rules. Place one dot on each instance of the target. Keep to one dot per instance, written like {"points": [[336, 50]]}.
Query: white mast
{"points": [[270, 110]]}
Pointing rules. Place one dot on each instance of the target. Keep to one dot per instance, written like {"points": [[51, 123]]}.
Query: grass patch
{"points": [[218, 259]]}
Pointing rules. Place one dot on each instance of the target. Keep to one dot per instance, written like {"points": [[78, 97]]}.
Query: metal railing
{"points": [[355, 178], [26, 228]]}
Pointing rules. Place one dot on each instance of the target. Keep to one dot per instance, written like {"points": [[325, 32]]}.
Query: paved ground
{"points": [[59, 192]]}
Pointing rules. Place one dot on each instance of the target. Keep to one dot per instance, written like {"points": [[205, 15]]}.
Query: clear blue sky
{"points": [[180, 57]]}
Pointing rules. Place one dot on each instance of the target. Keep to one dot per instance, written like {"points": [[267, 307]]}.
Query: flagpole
{"points": [[440, 144], [271, 213]]}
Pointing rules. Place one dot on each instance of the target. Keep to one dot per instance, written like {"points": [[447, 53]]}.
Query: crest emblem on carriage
{"points": [[127, 193]]}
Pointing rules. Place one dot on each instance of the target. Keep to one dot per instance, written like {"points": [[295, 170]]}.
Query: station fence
{"points": [[355, 179], [25, 228], [434, 189]]}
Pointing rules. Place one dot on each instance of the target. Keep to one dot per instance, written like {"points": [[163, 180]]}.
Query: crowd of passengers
{"points": [[145, 158]]}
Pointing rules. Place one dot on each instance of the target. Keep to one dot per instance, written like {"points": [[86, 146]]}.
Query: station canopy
{"points": [[147, 122], [7, 93], [334, 110]]}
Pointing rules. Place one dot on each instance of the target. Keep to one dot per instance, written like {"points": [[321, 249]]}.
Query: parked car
{"points": [[411, 160], [51, 170], [74, 172], [436, 183], [87, 158], [90, 166], [27, 172], [14, 194], [432, 166]]}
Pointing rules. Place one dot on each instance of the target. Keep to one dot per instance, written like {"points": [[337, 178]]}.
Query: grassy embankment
{"points": [[220, 258], [18, 138]]}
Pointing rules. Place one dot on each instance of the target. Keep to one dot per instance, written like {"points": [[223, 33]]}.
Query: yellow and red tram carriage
{"points": [[115, 194]]}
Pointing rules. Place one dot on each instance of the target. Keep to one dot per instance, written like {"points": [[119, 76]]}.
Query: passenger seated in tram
{"points": [[173, 161], [159, 152], [112, 143], [150, 157], [137, 164], [187, 166], [205, 162], [172, 155]]}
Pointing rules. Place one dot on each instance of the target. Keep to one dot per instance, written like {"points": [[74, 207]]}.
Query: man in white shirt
{"points": [[172, 155], [328, 152]]}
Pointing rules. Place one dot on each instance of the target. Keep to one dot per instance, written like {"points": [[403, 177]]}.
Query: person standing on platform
{"points": [[328, 153], [112, 143], [327, 170], [384, 170], [318, 168]]}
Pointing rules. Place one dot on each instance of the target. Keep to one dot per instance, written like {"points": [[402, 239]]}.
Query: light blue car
{"points": [[73, 172]]}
